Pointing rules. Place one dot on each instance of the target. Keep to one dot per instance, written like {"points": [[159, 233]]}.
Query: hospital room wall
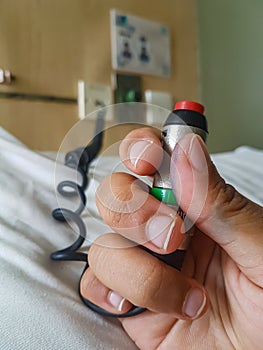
{"points": [[49, 45], [231, 71]]}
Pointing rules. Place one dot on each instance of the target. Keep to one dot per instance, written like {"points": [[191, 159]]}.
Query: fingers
{"points": [[125, 204], [141, 279], [217, 208], [93, 290], [141, 151]]}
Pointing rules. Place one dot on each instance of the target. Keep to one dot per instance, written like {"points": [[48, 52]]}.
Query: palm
{"points": [[232, 308]]}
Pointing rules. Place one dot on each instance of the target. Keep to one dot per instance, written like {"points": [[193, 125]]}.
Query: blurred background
{"points": [[48, 46]]}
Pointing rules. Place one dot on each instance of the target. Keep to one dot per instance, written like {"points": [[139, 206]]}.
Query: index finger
{"points": [[141, 151]]}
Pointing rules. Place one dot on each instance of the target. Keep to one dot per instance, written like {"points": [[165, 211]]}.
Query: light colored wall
{"points": [[231, 71], [50, 44]]}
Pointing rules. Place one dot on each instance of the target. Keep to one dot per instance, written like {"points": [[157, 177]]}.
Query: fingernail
{"points": [[194, 303], [159, 230], [138, 150], [116, 300], [196, 154]]}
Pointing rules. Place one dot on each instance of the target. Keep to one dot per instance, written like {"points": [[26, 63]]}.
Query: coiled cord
{"points": [[80, 160], [66, 215]]}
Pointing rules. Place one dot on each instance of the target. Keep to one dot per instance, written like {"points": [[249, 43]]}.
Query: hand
{"points": [[216, 301]]}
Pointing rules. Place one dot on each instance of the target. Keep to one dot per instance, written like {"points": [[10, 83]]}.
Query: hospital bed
{"points": [[39, 303]]}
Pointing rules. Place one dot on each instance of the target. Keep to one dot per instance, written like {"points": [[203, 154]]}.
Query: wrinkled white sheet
{"points": [[39, 303]]}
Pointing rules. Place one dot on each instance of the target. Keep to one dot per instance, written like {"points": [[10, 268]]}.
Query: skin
{"points": [[224, 262]]}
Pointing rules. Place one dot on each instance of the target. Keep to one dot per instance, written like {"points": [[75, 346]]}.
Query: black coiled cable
{"points": [[80, 160]]}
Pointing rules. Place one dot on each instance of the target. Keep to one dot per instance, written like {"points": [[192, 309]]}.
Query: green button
{"points": [[164, 195], [130, 96]]}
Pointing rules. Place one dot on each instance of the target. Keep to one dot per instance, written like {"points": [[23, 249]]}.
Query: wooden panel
{"points": [[50, 44], [39, 125]]}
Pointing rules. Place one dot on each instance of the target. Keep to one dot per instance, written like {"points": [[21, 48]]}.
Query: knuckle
{"points": [[227, 199], [100, 256], [120, 200], [88, 281], [150, 285], [111, 197]]}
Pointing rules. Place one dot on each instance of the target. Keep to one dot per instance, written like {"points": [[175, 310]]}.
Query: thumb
{"points": [[216, 208]]}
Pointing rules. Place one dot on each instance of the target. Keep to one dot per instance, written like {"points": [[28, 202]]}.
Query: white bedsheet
{"points": [[39, 303]]}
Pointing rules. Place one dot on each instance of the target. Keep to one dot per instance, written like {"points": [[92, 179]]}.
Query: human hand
{"points": [[216, 301]]}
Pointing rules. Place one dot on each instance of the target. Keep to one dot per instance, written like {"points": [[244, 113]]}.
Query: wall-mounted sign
{"points": [[139, 45]]}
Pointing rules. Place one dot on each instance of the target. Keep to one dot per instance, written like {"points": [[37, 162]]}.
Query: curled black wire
{"points": [[80, 160], [66, 215]]}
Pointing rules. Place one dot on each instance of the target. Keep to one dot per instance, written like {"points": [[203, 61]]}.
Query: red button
{"points": [[190, 105]]}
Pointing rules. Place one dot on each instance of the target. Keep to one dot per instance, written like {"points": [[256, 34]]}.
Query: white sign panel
{"points": [[139, 45]]}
